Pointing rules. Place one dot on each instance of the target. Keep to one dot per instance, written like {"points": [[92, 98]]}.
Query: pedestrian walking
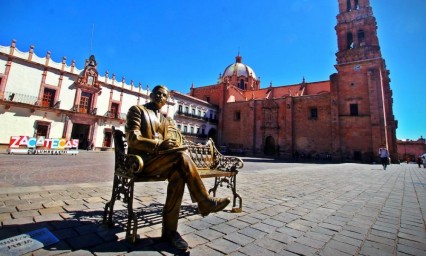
{"points": [[384, 156], [419, 162], [424, 160]]}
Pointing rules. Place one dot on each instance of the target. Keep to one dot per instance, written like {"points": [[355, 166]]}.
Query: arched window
{"points": [[348, 5], [241, 84], [356, 5], [361, 37], [349, 41]]}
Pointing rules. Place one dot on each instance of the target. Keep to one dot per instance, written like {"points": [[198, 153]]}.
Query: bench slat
{"points": [[209, 173]]}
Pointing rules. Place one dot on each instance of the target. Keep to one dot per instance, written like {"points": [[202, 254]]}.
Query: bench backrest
{"points": [[202, 155], [124, 164], [119, 141]]}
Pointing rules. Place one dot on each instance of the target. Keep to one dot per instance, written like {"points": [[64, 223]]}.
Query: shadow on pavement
{"points": [[83, 231]]}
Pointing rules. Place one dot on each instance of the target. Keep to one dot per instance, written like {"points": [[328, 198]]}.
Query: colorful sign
{"points": [[42, 145]]}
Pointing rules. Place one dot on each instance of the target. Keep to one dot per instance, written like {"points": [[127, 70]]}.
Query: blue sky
{"points": [[177, 42]]}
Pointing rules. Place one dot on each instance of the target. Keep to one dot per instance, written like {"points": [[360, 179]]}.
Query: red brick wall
{"points": [[238, 132], [312, 136], [214, 92], [291, 125]]}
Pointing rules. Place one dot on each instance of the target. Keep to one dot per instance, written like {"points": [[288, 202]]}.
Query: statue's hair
{"points": [[157, 87]]}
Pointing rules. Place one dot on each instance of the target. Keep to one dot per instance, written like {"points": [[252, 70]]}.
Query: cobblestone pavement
{"points": [[40, 170], [288, 209]]}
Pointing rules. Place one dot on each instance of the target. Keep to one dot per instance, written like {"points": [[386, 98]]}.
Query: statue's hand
{"points": [[167, 144]]}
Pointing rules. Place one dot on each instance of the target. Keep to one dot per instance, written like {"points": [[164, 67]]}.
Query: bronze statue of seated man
{"points": [[147, 136]]}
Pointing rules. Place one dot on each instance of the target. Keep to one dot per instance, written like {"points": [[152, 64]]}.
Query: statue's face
{"points": [[159, 97]]}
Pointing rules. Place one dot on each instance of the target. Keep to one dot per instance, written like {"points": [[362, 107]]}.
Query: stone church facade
{"points": [[345, 118]]}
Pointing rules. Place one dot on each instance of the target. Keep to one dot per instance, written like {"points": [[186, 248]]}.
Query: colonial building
{"points": [[346, 117], [195, 118], [42, 98]]}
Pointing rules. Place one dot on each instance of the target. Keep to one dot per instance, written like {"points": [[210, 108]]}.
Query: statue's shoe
{"points": [[212, 204]]}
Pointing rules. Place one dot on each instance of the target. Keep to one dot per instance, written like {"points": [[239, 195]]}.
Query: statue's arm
{"points": [[135, 126]]}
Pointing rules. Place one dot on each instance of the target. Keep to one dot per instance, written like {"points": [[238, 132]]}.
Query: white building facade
{"points": [[43, 98], [195, 118]]}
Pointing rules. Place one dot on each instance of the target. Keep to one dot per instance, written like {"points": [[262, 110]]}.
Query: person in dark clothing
{"points": [[384, 156]]}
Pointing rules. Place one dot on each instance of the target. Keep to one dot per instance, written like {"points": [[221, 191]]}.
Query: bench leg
{"points": [[109, 206], [123, 188], [236, 195], [132, 220], [232, 184], [217, 182]]}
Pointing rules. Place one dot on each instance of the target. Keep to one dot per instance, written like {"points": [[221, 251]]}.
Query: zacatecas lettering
{"points": [[48, 143]]}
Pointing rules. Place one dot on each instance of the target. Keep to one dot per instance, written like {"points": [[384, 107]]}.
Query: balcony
{"points": [[20, 98], [210, 120], [13, 98], [121, 116], [195, 116], [84, 109]]}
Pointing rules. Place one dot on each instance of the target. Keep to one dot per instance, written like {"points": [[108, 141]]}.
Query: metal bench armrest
{"points": [[227, 163]]}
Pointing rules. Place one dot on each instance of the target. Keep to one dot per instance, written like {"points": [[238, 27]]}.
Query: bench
{"points": [[209, 161]]}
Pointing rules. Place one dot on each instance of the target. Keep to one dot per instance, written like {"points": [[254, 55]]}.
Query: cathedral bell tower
{"points": [[356, 32], [361, 96]]}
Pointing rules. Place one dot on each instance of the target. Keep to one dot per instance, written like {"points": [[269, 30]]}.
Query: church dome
{"points": [[239, 69]]}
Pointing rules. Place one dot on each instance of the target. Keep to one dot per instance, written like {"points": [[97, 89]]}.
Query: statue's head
{"points": [[159, 96]]}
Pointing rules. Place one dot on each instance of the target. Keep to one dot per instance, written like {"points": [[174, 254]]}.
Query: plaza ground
{"points": [[288, 209]]}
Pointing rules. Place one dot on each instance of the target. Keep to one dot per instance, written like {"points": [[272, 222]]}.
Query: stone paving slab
{"points": [[288, 209]]}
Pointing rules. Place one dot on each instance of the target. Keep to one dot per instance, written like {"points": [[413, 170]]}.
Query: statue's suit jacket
{"points": [[141, 127]]}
